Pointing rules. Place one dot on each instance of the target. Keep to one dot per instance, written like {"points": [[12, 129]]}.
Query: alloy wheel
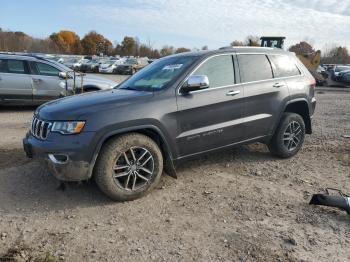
{"points": [[292, 136], [134, 168]]}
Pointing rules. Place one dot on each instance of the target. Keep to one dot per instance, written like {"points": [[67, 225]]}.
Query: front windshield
{"points": [[159, 74]]}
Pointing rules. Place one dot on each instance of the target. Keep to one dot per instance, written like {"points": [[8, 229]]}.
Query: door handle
{"points": [[233, 93], [278, 85], [36, 80]]}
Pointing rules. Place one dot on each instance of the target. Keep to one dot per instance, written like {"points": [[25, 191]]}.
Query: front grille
{"points": [[40, 129]]}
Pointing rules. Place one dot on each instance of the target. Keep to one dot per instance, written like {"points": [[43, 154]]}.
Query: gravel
{"points": [[238, 205]]}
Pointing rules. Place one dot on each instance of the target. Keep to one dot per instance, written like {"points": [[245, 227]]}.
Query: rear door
{"points": [[210, 118], [46, 82], [285, 67], [15, 82], [264, 95]]}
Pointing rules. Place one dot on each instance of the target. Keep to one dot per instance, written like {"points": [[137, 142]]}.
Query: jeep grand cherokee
{"points": [[178, 107]]}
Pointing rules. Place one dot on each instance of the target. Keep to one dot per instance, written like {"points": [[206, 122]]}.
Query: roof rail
{"points": [[25, 54]]}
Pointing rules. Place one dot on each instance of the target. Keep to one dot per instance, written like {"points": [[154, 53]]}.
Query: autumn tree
{"points": [[155, 53], [302, 48], [166, 50], [182, 50], [336, 55], [94, 43], [237, 43], [128, 46], [67, 41], [145, 51]]}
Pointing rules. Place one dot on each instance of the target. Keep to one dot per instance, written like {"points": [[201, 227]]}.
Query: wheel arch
{"points": [[152, 132], [300, 107], [91, 88]]}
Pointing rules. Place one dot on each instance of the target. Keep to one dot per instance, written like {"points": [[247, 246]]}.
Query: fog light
{"points": [[58, 158]]}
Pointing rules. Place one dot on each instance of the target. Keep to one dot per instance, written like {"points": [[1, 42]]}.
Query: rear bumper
{"points": [[66, 160], [313, 105]]}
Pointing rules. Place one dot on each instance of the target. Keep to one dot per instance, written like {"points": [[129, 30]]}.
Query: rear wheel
{"points": [[129, 167], [289, 136]]}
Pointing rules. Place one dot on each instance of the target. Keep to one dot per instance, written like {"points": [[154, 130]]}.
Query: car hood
{"points": [[75, 107], [91, 80]]}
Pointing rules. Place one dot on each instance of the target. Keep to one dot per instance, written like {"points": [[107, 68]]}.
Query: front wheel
{"points": [[129, 167], [289, 136]]}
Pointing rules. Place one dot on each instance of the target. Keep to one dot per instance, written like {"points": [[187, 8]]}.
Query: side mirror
{"points": [[63, 75], [195, 83]]}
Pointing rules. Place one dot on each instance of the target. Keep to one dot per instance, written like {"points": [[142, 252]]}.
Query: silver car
{"points": [[35, 80]]}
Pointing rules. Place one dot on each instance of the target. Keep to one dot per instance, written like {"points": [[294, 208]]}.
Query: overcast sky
{"points": [[190, 23]]}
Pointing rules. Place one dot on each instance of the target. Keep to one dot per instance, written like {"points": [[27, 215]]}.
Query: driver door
{"points": [[47, 85], [211, 118]]}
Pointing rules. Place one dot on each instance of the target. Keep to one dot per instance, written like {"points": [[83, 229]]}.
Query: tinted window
{"points": [[3, 67], [284, 66], [47, 70], [254, 68], [16, 66], [219, 71]]}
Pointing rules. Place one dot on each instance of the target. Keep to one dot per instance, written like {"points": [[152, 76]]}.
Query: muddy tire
{"points": [[128, 167], [289, 136]]}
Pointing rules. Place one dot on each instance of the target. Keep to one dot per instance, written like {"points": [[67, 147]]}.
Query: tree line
{"points": [[93, 43]]}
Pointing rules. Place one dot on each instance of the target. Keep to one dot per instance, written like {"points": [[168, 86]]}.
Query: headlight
{"points": [[68, 127]]}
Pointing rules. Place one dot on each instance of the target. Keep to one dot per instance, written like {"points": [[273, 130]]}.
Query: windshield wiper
{"points": [[128, 88]]}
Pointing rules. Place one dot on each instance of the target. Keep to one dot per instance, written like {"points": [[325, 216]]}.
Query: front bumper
{"points": [[76, 165]]}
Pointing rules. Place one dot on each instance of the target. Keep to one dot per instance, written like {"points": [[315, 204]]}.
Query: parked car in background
{"points": [[58, 59], [132, 65], [77, 66], [73, 62], [110, 66], [178, 107], [90, 66], [344, 77], [339, 68], [35, 80]]}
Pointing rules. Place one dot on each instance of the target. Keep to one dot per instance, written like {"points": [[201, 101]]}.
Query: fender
{"points": [[169, 165], [301, 99]]}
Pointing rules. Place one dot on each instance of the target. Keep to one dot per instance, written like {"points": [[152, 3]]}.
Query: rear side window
{"points": [[16, 66], [3, 67], [254, 68], [46, 70], [219, 70], [284, 66]]}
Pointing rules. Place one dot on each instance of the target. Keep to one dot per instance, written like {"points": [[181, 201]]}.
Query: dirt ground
{"points": [[238, 205]]}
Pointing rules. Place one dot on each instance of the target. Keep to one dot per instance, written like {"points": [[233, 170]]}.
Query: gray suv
{"points": [[176, 108], [34, 80]]}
